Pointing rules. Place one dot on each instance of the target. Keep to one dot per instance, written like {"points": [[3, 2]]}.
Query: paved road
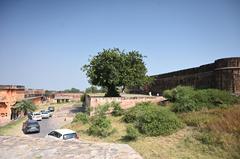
{"points": [[60, 118]]}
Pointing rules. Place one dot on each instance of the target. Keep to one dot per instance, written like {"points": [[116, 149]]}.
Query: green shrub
{"points": [[168, 94], [100, 126], [152, 120], [132, 133], [117, 110], [81, 117], [188, 99], [102, 109], [132, 113]]}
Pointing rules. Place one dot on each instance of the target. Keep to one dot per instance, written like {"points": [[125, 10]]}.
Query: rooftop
{"points": [[12, 87]]}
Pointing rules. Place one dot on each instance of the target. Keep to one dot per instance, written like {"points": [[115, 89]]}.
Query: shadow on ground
{"points": [[78, 108]]}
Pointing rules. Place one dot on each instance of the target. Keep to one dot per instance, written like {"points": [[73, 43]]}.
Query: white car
{"points": [[45, 114], [50, 113], [62, 134], [36, 116]]}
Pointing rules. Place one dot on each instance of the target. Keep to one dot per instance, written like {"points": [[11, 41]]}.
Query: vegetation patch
{"points": [[81, 117], [100, 126], [117, 110], [153, 120], [218, 129], [132, 133], [186, 99]]}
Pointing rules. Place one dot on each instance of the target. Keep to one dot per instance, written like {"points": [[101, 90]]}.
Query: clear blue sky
{"points": [[44, 43]]}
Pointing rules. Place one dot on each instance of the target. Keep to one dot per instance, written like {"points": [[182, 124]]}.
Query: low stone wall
{"points": [[93, 102]]}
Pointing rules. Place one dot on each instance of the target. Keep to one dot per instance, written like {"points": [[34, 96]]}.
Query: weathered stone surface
{"points": [[222, 74], [27, 147]]}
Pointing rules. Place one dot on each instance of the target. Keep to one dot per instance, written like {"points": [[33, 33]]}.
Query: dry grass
{"points": [[174, 146], [218, 129], [228, 121]]}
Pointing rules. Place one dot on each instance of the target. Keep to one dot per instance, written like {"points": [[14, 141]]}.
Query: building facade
{"points": [[223, 74], [66, 97], [9, 96]]}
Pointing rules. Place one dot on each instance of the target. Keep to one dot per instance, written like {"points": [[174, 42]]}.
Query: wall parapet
{"points": [[92, 102], [222, 74]]}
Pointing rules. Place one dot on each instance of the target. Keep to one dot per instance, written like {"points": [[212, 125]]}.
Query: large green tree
{"points": [[113, 68]]}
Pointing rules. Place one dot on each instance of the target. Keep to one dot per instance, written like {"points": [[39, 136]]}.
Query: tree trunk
{"points": [[112, 91], [123, 88]]}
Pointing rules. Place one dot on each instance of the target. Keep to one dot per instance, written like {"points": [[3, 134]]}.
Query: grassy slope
{"points": [[182, 144]]}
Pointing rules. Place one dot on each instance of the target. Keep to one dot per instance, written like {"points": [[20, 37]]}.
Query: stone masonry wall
{"points": [[125, 102], [223, 74]]}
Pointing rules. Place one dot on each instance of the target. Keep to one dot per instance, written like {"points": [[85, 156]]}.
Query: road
{"points": [[60, 118]]}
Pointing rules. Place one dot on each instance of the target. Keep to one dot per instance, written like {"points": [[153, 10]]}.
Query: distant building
{"points": [[66, 97]]}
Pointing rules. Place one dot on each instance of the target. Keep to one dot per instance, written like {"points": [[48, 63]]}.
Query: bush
{"points": [[117, 110], [102, 109], [81, 117], [132, 133], [133, 113], [169, 94], [188, 99], [153, 120], [100, 126]]}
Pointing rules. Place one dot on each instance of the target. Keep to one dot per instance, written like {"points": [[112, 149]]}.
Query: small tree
{"points": [[25, 106], [132, 133], [113, 68], [117, 110]]}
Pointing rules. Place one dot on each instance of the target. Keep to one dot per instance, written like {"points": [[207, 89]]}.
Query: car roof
{"points": [[64, 131], [32, 121]]}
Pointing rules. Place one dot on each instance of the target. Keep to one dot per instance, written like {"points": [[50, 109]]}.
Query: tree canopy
{"points": [[72, 90], [26, 106], [94, 89], [114, 68]]}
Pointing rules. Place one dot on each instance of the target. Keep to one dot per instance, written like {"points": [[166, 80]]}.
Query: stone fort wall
{"points": [[223, 74]]}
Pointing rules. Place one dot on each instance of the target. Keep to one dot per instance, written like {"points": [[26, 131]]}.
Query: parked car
{"points": [[29, 114], [30, 126], [51, 108], [45, 114], [50, 113], [62, 134], [36, 116]]}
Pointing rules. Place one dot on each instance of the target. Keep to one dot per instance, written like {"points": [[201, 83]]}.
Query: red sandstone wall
{"points": [[70, 96], [125, 102]]}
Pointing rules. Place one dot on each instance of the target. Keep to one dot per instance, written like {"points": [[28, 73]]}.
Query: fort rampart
{"points": [[223, 74]]}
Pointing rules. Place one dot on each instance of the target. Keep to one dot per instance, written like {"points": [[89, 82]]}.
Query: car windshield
{"points": [[36, 114], [69, 136], [33, 125], [44, 112]]}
